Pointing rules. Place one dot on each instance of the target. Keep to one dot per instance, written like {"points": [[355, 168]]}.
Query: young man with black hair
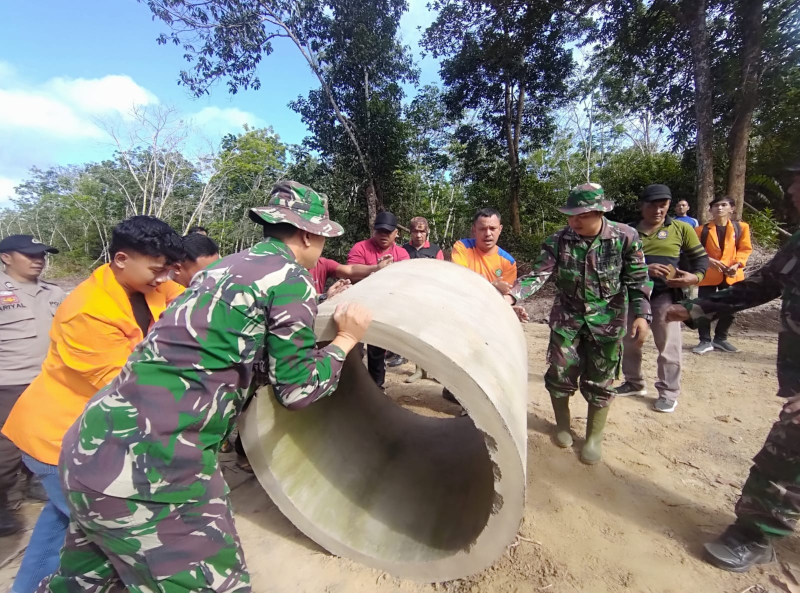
{"points": [[197, 230], [148, 501], [727, 242], [200, 251], [94, 331]]}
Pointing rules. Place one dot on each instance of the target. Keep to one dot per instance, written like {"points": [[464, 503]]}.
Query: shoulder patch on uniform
{"points": [[505, 255]]}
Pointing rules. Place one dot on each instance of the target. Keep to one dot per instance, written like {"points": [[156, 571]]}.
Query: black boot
{"points": [[9, 524], [737, 550]]}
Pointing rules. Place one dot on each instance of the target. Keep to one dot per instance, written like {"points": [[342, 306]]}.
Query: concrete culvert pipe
{"points": [[429, 499]]}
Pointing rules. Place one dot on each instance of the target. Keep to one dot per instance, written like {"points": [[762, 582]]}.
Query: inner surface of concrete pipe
{"points": [[430, 499]]}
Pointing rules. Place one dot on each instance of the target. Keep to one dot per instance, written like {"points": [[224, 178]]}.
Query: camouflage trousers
{"points": [[770, 500], [596, 364], [116, 545]]}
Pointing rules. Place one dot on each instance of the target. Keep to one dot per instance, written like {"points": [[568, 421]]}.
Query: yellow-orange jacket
{"points": [[93, 333]]}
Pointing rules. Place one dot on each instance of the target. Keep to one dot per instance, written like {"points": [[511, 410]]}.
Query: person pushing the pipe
{"points": [[599, 267], [149, 505]]}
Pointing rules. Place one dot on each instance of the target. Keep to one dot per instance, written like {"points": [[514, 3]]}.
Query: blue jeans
{"points": [[41, 557]]}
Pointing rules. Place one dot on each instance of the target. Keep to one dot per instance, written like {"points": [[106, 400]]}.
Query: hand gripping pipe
{"points": [[428, 499]]}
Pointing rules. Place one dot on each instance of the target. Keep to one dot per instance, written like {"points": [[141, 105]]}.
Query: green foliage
{"points": [[763, 227]]}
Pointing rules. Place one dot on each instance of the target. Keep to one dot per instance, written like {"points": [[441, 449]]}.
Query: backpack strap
{"points": [[704, 236], [737, 234]]}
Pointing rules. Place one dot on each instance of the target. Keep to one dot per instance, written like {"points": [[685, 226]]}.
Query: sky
{"points": [[67, 66]]}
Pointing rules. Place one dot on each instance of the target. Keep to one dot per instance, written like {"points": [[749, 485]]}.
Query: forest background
{"points": [[535, 98]]}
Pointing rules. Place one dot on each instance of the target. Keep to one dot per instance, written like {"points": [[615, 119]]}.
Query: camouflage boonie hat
{"points": [[588, 197], [299, 206]]}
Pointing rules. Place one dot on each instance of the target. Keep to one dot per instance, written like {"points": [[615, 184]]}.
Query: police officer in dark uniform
{"points": [[27, 306]]}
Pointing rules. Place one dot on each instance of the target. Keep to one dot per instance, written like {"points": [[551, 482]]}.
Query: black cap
{"points": [[655, 192], [385, 221], [794, 166], [25, 244]]}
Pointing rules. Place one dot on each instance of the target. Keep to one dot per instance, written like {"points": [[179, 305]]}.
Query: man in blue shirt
{"points": [[682, 213]]}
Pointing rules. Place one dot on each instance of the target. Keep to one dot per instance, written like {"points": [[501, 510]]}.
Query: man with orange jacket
{"points": [[94, 331], [728, 245]]}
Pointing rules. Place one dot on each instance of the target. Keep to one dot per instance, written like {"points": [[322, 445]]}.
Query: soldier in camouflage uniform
{"points": [[149, 506], [769, 506], [598, 267]]}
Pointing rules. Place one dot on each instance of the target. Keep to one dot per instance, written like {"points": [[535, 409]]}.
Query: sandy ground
{"points": [[634, 523]]}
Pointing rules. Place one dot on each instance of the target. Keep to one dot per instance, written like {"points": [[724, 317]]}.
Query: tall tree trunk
{"points": [[513, 122], [372, 202], [750, 13], [694, 15]]}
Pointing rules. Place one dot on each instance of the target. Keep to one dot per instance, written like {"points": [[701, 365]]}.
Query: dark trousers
{"points": [[724, 321], [10, 456], [376, 364]]}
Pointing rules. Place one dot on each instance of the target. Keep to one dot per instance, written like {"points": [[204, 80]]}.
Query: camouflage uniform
{"points": [[148, 501], [770, 501], [595, 278]]}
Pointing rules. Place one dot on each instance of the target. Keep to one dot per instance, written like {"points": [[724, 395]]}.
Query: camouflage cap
{"points": [[299, 206], [588, 197]]}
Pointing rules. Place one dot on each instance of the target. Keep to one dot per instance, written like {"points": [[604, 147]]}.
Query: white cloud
{"points": [[7, 190], [217, 121], [67, 108]]}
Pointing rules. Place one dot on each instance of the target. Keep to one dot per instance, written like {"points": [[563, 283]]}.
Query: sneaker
{"points": [[395, 361], [628, 389], [703, 347], [664, 405], [724, 346], [735, 551]]}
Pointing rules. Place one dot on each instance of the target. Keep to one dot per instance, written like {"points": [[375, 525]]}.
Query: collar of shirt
{"points": [[606, 232], [667, 222], [29, 288]]}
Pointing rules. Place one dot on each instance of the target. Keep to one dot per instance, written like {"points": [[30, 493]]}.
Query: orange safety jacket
{"points": [[735, 251], [93, 333]]}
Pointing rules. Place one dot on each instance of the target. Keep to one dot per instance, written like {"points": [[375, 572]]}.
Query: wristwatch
{"points": [[647, 318]]}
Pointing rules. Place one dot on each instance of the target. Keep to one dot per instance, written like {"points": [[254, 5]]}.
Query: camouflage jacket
{"points": [[780, 277], [153, 433], [595, 280]]}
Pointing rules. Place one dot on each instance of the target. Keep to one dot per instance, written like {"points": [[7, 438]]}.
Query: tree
{"points": [[507, 64], [699, 65], [227, 39]]}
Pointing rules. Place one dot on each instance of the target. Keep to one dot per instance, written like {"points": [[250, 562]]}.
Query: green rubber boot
{"points": [[592, 449], [563, 437]]}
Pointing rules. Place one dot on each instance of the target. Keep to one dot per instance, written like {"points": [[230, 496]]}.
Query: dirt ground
{"points": [[634, 523]]}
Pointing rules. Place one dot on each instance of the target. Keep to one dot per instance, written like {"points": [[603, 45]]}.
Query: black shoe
{"points": [[395, 361], [449, 396], [629, 389], [724, 346], [9, 524], [736, 551], [35, 490]]}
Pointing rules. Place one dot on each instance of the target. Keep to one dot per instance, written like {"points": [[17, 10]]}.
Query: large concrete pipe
{"points": [[424, 498]]}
